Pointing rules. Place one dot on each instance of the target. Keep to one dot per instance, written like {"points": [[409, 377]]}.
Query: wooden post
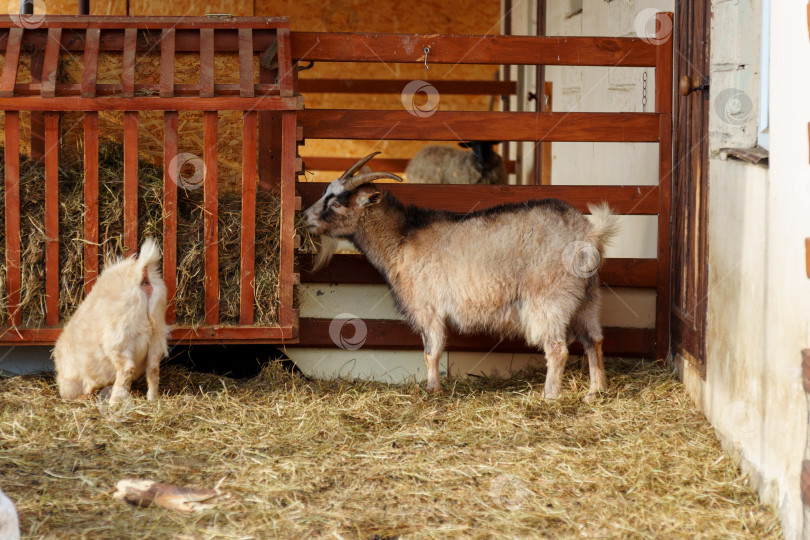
{"points": [[88, 89], [51, 218], [663, 106], [12, 202], [170, 173]]}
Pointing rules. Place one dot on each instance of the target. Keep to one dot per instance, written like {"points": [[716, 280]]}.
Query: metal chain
{"points": [[644, 92]]}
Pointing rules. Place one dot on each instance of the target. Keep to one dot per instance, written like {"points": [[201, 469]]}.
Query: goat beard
{"points": [[325, 252]]}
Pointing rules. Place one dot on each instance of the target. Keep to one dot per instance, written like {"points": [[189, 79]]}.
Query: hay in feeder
{"points": [[189, 299], [487, 459]]}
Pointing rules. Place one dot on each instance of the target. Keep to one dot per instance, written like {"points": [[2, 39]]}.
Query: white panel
{"points": [[364, 301], [482, 364], [628, 308], [394, 367]]}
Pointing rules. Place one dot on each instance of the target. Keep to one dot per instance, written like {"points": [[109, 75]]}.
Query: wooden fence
{"points": [[512, 126], [273, 98]]}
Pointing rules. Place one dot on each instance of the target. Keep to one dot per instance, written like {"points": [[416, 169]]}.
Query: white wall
{"points": [[758, 316]]}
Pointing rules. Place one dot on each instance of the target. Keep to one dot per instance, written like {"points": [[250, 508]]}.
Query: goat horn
{"points": [[357, 181], [357, 166]]}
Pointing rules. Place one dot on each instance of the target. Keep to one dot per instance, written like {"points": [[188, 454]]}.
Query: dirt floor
{"points": [[300, 458]]}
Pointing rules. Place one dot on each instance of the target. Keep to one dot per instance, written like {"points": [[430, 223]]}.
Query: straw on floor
{"points": [[302, 459]]}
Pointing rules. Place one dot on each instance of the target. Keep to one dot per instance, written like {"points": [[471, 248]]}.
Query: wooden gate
{"points": [[691, 182], [505, 126], [163, 38]]}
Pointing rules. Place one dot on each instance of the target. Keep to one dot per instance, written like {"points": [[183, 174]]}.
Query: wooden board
{"points": [[12, 224], [479, 126], [355, 269], [210, 218], [218, 103], [453, 49], [397, 335], [51, 219], [639, 200], [396, 86], [122, 22]]}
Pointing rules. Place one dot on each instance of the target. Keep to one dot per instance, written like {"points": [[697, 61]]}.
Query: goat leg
{"points": [[556, 357]]}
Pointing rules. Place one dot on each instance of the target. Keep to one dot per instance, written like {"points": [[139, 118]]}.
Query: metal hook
{"points": [[426, 50]]}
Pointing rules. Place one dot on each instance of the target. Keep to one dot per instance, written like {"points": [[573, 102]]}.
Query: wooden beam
{"points": [[128, 63], [637, 200], [123, 22], [170, 175], [247, 257], [456, 49], [90, 73], [50, 65], [210, 218], [479, 126], [207, 62], [377, 164], [397, 335], [395, 86], [219, 103], [130, 183], [183, 334], [11, 63], [12, 224], [90, 200], [113, 89], [287, 316], [664, 94], [355, 269], [246, 88], [51, 219], [167, 63]]}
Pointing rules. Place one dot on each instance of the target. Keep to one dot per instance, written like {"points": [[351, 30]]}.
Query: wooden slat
{"points": [[397, 335], [355, 269], [395, 86], [663, 105], [286, 279], [248, 235], [51, 219], [204, 334], [638, 200], [167, 63], [128, 63], [210, 217], [455, 49], [269, 168], [130, 183], [170, 175], [377, 164], [50, 64], [207, 62], [90, 200], [187, 40], [219, 103], [12, 60], [180, 23], [12, 224], [90, 73], [115, 89], [246, 62], [285, 62], [479, 126]]}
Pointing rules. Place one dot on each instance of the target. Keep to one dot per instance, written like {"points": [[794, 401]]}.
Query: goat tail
{"points": [[605, 226], [150, 254]]}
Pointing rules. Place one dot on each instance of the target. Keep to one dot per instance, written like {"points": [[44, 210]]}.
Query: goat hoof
{"points": [[590, 397]]}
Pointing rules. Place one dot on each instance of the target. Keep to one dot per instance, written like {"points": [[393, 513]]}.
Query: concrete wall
{"points": [[758, 319]]}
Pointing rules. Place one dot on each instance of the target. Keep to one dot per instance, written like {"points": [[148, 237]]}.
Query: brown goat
{"points": [[516, 270]]}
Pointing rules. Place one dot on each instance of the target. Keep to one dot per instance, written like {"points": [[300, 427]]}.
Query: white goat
{"points": [[526, 269], [118, 332], [9, 522], [445, 165]]}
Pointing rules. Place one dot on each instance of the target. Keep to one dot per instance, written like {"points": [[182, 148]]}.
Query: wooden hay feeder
{"points": [[237, 246]]}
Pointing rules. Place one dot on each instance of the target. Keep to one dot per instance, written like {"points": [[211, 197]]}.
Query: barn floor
{"points": [[364, 460]]}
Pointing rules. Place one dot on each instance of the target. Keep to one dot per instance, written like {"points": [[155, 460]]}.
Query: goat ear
{"points": [[367, 198], [364, 170]]}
